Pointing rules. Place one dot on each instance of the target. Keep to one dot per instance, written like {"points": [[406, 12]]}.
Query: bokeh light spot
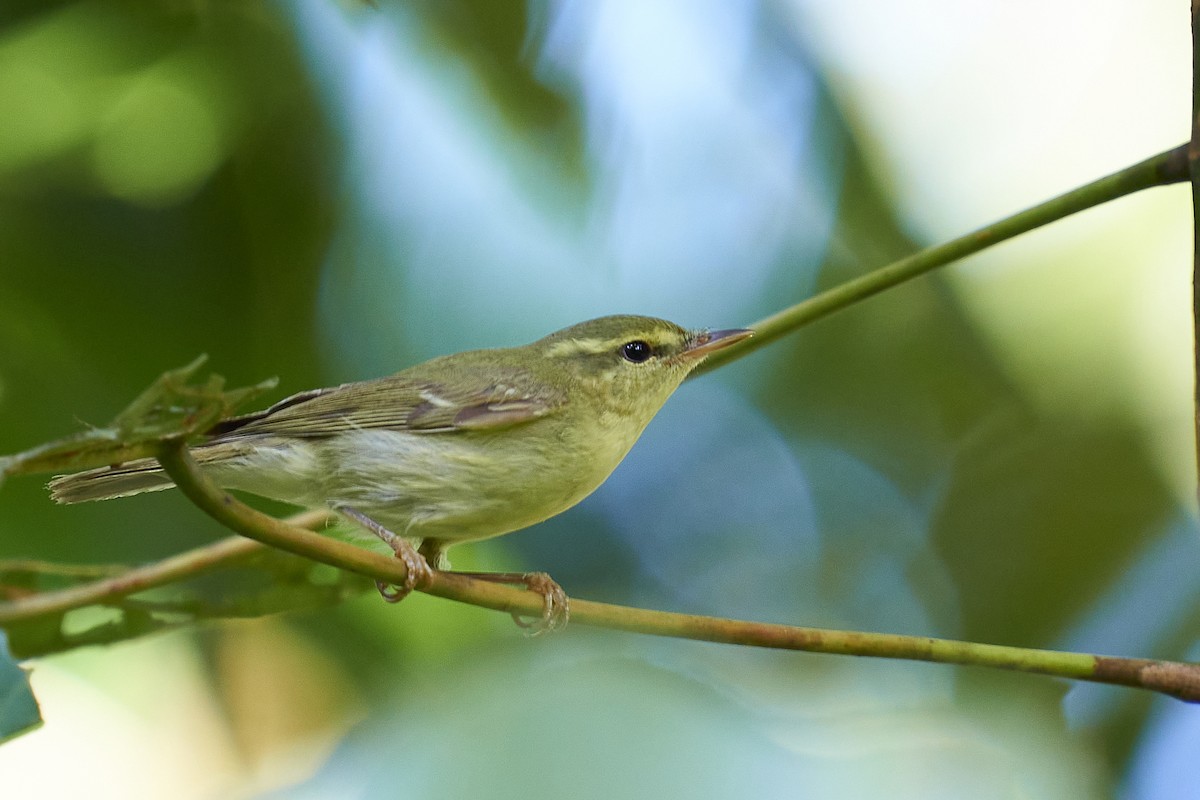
{"points": [[41, 118], [159, 143]]}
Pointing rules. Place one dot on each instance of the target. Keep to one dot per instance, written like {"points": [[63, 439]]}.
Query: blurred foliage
{"points": [[265, 582], [327, 192]]}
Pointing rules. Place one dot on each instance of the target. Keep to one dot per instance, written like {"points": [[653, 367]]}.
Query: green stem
{"points": [[1193, 157], [1163, 169], [1177, 679], [1173, 678]]}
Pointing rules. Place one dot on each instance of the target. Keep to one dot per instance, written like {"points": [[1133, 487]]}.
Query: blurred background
{"points": [[328, 191]]}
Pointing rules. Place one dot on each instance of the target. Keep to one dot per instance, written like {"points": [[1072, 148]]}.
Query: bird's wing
{"points": [[480, 400]]}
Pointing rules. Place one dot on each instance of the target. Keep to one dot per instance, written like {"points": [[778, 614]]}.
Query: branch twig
{"points": [[138, 579], [1193, 159], [1176, 679], [1163, 169]]}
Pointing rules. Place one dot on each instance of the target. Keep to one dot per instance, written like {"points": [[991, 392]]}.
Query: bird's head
{"points": [[630, 362]]}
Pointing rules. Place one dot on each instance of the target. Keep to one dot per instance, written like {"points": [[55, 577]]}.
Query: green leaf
{"points": [[170, 408], [18, 708]]}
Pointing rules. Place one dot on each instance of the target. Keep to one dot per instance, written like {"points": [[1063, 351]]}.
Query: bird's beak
{"points": [[705, 342]]}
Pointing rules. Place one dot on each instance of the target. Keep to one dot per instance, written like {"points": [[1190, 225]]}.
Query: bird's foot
{"points": [[556, 606], [417, 572]]}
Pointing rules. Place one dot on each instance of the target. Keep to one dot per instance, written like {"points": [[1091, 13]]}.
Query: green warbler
{"points": [[460, 448]]}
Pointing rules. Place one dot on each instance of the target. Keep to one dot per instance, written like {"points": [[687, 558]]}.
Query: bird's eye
{"points": [[637, 351]]}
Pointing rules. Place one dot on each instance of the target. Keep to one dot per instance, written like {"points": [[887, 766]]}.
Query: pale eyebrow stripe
{"points": [[570, 347]]}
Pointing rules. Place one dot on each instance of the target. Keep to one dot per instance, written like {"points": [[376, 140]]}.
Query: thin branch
{"points": [[1163, 169], [1172, 678], [1193, 158], [175, 568]]}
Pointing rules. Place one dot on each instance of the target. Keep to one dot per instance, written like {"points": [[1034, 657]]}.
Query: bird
{"points": [[460, 448]]}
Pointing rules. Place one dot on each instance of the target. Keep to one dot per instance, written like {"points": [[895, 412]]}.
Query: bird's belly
{"points": [[459, 487], [451, 487]]}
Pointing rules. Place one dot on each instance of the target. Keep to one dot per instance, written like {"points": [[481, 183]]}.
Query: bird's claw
{"points": [[556, 606], [417, 572]]}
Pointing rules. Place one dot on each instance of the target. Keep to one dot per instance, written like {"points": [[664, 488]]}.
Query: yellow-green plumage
{"points": [[461, 447]]}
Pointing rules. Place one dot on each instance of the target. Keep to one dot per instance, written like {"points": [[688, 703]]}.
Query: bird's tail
{"points": [[134, 477], [138, 476]]}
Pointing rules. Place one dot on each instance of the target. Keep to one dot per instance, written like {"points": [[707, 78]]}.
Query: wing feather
{"points": [[471, 400]]}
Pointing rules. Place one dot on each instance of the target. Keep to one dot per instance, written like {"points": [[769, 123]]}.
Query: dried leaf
{"points": [[171, 408]]}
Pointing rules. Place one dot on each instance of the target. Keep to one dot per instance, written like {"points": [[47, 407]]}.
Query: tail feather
{"points": [[142, 475]]}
